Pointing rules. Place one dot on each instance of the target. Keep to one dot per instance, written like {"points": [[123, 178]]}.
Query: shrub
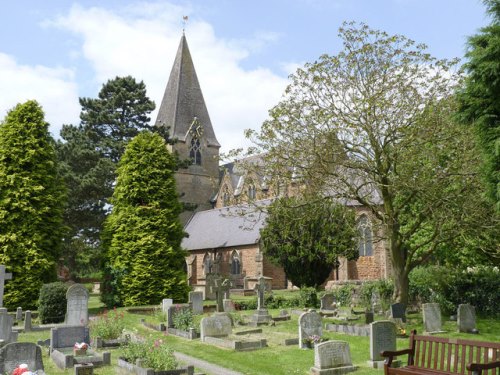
{"points": [[384, 288], [52, 303], [343, 295], [154, 354], [182, 319], [107, 325], [308, 297]]}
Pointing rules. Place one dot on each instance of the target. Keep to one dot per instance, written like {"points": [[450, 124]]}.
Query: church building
{"points": [[223, 230]]}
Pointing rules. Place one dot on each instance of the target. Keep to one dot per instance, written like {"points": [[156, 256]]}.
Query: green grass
{"points": [[273, 360]]}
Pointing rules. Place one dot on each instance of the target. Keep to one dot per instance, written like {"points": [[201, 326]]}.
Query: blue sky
{"points": [[55, 51]]}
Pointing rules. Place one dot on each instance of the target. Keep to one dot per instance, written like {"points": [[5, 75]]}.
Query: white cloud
{"points": [[53, 88], [142, 41]]}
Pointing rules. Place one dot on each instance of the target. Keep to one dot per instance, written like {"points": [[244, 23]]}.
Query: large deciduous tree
{"points": [[143, 232], [307, 235], [373, 124], [32, 200], [479, 100]]}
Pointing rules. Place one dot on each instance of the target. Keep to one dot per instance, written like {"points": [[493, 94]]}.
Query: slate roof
{"points": [[223, 227], [183, 99]]}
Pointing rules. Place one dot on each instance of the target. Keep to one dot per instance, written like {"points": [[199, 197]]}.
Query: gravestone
{"points": [[432, 317], [67, 336], [328, 303], [174, 309], [3, 276], [13, 354], [84, 369], [6, 323], [310, 324], [369, 317], [261, 315], [221, 290], [19, 313], [27, 321], [196, 300], [166, 303], [398, 311], [77, 312], [466, 318], [382, 337], [210, 282], [375, 302], [218, 325], [228, 305], [332, 358]]}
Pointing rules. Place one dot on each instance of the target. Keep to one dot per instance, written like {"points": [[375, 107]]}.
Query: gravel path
{"points": [[210, 368]]}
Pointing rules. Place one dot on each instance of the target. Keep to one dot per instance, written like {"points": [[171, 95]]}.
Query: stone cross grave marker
{"points": [[332, 357], [310, 324], [13, 354], [260, 289], [466, 318], [398, 311], [382, 337], [77, 312], [221, 290], [3, 276], [432, 317], [210, 281]]}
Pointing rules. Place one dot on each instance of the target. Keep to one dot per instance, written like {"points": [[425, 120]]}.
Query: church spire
{"points": [[183, 100]]}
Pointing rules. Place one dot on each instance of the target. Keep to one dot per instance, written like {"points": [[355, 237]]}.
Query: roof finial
{"points": [[184, 21]]}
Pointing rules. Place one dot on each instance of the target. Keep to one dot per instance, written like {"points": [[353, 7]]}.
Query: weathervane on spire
{"points": [[184, 21]]}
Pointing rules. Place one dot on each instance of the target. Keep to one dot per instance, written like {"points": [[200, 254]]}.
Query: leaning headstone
{"points": [[77, 312], [27, 321], [218, 325], [382, 337], [13, 354], [432, 317], [466, 318], [196, 300], [166, 303], [3, 276], [19, 313], [310, 324], [398, 311], [332, 358], [6, 323]]}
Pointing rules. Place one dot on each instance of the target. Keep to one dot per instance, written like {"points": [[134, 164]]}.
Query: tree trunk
{"points": [[401, 285], [399, 271]]}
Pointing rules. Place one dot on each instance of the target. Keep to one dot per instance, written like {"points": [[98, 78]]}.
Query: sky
{"points": [[55, 51]]}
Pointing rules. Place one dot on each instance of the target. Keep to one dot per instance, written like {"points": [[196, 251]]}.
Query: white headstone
{"points": [[332, 357], [77, 312], [166, 303], [310, 324]]}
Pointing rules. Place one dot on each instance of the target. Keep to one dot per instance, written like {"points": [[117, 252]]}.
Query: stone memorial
{"points": [[166, 303], [13, 354], [219, 325], [77, 312], [19, 313], [228, 305], [432, 317], [332, 358], [3, 276], [210, 282], [261, 315], [310, 324], [196, 300], [375, 302], [382, 337], [466, 318], [328, 304], [6, 323], [221, 290], [27, 321], [398, 311]]}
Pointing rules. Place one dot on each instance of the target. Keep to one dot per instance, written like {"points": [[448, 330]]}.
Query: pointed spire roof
{"points": [[183, 99]]}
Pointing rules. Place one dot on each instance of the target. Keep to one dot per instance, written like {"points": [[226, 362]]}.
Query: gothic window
{"points": [[226, 198], [365, 236], [195, 150], [207, 264], [235, 263], [251, 191]]}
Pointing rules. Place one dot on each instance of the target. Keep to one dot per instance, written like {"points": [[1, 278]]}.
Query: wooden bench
{"points": [[429, 355]]}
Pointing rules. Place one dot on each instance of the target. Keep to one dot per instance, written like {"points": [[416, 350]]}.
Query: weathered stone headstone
{"points": [[77, 312], [13, 354], [166, 303], [67, 336], [466, 318], [382, 337], [310, 324], [19, 313], [328, 302], [210, 282], [218, 325], [6, 323], [228, 305], [27, 321], [398, 311], [432, 317], [3, 276], [196, 300], [332, 357]]}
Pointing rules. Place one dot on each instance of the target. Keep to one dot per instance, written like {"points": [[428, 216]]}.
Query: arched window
{"points": [[207, 264], [195, 150], [226, 198], [235, 263], [365, 236]]}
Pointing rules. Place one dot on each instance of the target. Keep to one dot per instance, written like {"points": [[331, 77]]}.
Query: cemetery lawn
{"points": [[275, 359]]}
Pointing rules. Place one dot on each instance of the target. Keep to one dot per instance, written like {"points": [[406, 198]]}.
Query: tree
{"points": [[373, 125], [306, 236], [143, 231], [479, 102], [31, 204]]}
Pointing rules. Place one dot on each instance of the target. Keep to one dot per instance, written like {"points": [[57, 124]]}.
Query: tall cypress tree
{"points": [[31, 204], [143, 231]]}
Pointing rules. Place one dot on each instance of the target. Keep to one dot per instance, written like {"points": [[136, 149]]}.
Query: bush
{"points": [[343, 295], [182, 319], [107, 325], [52, 303], [308, 297], [384, 288], [154, 354]]}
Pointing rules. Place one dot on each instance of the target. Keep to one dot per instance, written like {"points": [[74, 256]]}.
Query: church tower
{"points": [[183, 109]]}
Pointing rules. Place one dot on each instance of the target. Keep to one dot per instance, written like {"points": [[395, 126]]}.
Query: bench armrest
{"points": [[478, 368], [391, 354]]}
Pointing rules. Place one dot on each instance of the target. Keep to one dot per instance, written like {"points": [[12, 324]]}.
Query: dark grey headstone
{"points": [[67, 336], [398, 311], [466, 318], [12, 355]]}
